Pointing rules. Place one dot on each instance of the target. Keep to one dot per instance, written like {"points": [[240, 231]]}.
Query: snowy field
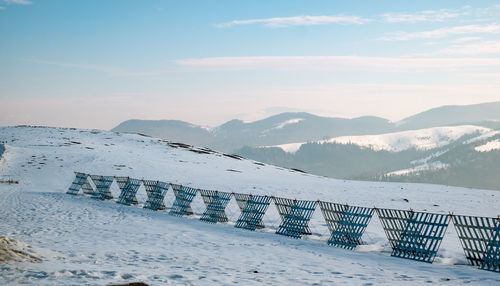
{"points": [[84, 241]]}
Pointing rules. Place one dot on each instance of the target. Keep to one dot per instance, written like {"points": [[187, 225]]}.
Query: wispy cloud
{"points": [[491, 11], [440, 15], [417, 63], [302, 20], [477, 48], [108, 70], [422, 16], [335, 63], [483, 75], [467, 39], [20, 2], [443, 32], [14, 2], [104, 69]]}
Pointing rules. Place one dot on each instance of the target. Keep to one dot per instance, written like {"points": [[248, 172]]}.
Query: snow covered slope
{"points": [[287, 122], [422, 139], [489, 146], [83, 241]]}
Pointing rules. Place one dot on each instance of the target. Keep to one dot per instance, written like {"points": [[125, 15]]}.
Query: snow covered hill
{"points": [[83, 241], [422, 139], [489, 146], [291, 127], [466, 156], [277, 129]]}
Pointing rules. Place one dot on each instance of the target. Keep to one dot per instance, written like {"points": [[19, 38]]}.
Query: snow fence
{"points": [[411, 234]]}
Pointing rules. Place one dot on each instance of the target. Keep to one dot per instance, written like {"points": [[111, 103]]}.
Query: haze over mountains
{"points": [[278, 129], [291, 127], [453, 115], [340, 148]]}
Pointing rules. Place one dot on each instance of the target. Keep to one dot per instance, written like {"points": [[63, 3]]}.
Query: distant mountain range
{"points": [[277, 129], [444, 145], [464, 155], [293, 127], [453, 115]]}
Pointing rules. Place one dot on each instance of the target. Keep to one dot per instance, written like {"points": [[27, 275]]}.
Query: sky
{"points": [[96, 63]]}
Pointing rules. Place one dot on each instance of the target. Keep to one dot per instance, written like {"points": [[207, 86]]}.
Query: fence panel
{"points": [[242, 200], [216, 207], [422, 236], [474, 234], [394, 223], [122, 182], [283, 205], [183, 198], [296, 221], [332, 213], [77, 184], [156, 191], [491, 260], [87, 188], [103, 184], [129, 190], [251, 216], [351, 227]]}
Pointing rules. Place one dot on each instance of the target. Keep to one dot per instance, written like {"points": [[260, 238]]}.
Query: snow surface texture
{"points": [[84, 241], [423, 139], [490, 146]]}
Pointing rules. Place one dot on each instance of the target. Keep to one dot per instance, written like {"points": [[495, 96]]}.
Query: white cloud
{"points": [[422, 16], [391, 17], [480, 48], [467, 39], [417, 63], [20, 2], [377, 64], [491, 11], [483, 75], [302, 20], [443, 32]]}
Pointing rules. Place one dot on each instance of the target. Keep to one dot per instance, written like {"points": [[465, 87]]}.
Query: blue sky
{"points": [[94, 64]]}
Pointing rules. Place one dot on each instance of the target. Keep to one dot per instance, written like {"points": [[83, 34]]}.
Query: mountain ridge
{"points": [[292, 127], [284, 128], [452, 114], [465, 156]]}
